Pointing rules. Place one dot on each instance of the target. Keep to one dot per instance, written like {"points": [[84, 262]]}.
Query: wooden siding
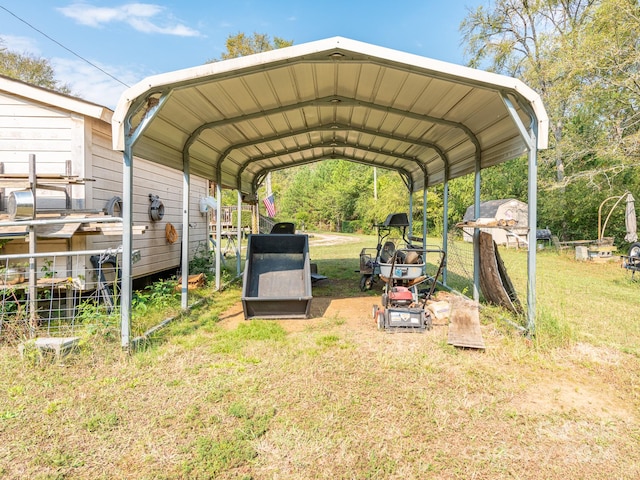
{"points": [[149, 178], [51, 135], [56, 137]]}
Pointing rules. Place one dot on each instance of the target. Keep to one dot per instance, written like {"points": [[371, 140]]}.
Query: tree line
{"points": [[581, 56]]}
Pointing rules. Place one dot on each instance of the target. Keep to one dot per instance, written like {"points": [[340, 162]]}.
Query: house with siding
{"points": [[70, 139]]}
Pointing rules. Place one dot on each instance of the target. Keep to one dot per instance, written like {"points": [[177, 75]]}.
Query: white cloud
{"points": [[85, 81], [20, 44], [91, 84], [143, 17]]}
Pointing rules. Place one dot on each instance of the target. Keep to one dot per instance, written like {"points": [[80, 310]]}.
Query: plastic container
{"points": [[400, 270]]}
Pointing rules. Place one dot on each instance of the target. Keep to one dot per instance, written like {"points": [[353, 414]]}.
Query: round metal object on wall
{"points": [[156, 209], [21, 205]]}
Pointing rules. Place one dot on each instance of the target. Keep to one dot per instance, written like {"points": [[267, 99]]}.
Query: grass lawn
{"points": [[214, 396]]}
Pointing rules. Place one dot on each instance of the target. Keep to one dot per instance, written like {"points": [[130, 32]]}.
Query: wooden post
{"points": [[69, 206]]}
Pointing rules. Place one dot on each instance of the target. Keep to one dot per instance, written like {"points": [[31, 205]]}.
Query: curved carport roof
{"points": [[336, 98], [234, 121]]}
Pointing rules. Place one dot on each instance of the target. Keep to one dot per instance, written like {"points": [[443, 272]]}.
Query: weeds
{"points": [[232, 451], [256, 330], [214, 396]]}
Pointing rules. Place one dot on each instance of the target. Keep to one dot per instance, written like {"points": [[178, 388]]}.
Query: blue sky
{"points": [[131, 40]]}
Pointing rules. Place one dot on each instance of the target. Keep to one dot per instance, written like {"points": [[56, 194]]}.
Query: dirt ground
{"points": [[356, 311], [573, 392]]}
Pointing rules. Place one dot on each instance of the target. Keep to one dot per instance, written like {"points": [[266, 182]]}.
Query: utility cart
{"points": [[391, 233]]}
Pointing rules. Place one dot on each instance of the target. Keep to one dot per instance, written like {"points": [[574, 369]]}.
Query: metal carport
{"points": [[234, 121]]}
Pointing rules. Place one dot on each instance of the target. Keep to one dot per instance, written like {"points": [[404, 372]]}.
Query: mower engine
{"points": [[399, 297]]}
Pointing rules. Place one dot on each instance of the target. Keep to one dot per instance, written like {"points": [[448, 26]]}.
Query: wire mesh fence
{"points": [[460, 266], [59, 293]]}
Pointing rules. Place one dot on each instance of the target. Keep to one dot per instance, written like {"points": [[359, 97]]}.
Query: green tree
{"points": [[523, 38], [241, 44], [582, 57], [30, 69], [605, 60]]}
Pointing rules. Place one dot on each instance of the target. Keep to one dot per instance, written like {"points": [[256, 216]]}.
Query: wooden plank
{"points": [[110, 229], [464, 324], [64, 230]]}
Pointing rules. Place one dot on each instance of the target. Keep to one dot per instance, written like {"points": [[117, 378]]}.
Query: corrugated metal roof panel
{"points": [[335, 98]]}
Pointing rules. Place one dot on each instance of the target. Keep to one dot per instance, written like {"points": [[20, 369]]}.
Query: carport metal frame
{"points": [[234, 121]]}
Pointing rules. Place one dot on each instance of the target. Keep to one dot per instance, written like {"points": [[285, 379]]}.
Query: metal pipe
{"points": [[18, 256], [445, 228], [424, 214], [410, 213], [218, 231], [530, 137], [126, 295], [58, 221], [239, 245], [601, 232], [533, 222], [476, 232]]}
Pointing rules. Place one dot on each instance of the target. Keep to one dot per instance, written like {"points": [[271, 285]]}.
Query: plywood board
{"points": [[464, 325]]}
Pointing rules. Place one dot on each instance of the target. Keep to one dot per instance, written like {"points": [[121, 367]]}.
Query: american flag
{"points": [[270, 206]]}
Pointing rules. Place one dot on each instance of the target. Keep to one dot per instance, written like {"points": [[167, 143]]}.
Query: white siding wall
{"points": [[56, 136], [157, 253]]}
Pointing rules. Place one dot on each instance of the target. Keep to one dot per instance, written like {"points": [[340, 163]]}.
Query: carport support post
{"points": [[127, 240], [533, 222], [530, 136], [445, 229], [239, 243], [410, 213], [424, 215], [476, 232], [218, 232], [186, 183]]}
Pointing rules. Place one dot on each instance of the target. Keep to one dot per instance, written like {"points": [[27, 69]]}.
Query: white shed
{"points": [[510, 213], [70, 137]]}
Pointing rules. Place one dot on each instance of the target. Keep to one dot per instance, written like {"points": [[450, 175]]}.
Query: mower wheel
{"points": [[380, 319], [366, 282], [634, 250], [375, 311]]}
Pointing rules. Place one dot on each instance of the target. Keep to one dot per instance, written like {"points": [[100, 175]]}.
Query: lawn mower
{"points": [[372, 258], [403, 300]]}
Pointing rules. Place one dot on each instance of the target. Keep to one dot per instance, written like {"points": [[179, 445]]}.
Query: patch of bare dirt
{"points": [[576, 395], [323, 240], [356, 312]]}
